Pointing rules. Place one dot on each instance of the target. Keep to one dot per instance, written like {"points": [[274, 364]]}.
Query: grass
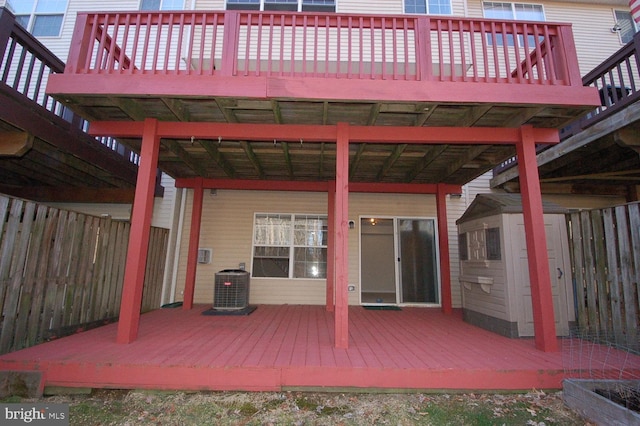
{"points": [[261, 408]]}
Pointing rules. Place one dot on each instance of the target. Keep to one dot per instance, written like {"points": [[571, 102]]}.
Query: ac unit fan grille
{"points": [[231, 290]]}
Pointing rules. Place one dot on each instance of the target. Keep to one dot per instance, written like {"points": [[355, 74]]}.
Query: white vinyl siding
{"points": [[590, 23]]}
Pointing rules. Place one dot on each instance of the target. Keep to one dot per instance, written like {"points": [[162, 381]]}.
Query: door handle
{"points": [[560, 273]]}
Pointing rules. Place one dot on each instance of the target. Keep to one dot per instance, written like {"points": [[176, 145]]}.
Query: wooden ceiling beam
{"points": [[253, 159], [218, 157], [321, 161], [373, 114], [183, 155], [610, 190], [130, 107], [469, 155], [15, 143], [69, 194], [177, 108], [474, 114], [429, 156], [356, 160], [390, 161], [226, 107], [287, 159]]}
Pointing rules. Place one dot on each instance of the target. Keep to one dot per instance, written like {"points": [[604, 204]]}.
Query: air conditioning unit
{"points": [[231, 290]]}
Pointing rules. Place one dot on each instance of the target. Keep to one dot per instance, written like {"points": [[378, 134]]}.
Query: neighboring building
{"points": [[251, 229]]}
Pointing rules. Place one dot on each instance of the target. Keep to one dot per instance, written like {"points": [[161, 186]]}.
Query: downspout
{"points": [[171, 264], [176, 257]]}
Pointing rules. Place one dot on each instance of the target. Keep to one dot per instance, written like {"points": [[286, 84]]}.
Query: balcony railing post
{"points": [[423, 47], [80, 42], [7, 21], [566, 57], [230, 42]]}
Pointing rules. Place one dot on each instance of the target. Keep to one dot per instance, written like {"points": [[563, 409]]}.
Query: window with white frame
{"points": [[519, 11], [626, 24], [42, 18], [283, 5], [289, 246], [432, 7], [162, 5]]}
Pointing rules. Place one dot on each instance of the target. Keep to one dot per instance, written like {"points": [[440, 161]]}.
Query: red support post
{"points": [[443, 244], [331, 248], [138, 247], [539, 275], [194, 242], [341, 316]]}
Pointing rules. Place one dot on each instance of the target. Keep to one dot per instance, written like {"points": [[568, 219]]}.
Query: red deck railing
{"points": [[241, 43]]}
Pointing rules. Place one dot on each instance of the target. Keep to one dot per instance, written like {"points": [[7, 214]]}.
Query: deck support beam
{"points": [[539, 275], [331, 248], [138, 247], [341, 316], [443, 243], [194, 242]]}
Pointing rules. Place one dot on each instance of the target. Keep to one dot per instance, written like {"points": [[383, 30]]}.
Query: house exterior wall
{"points": [[227, 229]]}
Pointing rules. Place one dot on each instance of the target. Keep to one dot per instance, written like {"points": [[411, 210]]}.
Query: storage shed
{"points": [[494, 275]]}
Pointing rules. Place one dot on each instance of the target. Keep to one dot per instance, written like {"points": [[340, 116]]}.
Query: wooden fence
{"points": [[62, 270], [605, 253]]}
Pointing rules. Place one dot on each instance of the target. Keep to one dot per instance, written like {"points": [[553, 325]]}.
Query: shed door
{"points": [[559, 269]]}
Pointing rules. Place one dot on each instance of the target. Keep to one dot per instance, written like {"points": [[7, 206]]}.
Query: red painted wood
{"points": [[372, 187], [268, 33], [139, 235], [278, 347], [342, 237], [230, 48], [194, 243], [539, 275], [327, 133], [331, 247], [242, 184], [78, 50], [443, 245]]}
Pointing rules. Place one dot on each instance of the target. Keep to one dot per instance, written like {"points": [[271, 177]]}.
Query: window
{"points": [[290, 246], [433, 7], [283, 5], [43, 18], [627, 26], [162, 5], [519, 11], [492, 241]]}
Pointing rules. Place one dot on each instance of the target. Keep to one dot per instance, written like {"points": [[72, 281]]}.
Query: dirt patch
{"points": [[114, 407]]}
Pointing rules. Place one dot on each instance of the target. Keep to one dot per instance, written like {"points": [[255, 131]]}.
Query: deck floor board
{"points": [[282, 347]]}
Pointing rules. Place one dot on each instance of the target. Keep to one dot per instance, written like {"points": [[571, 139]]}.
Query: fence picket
{"points": [[625, 274], [607, 273], [57, 275], [600, 273]]}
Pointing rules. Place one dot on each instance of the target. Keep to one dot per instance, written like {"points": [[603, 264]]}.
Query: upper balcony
{"points": [[314, 68]]}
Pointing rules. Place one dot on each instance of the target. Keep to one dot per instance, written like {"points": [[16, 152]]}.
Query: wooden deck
{"points": [[291, 347]]}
